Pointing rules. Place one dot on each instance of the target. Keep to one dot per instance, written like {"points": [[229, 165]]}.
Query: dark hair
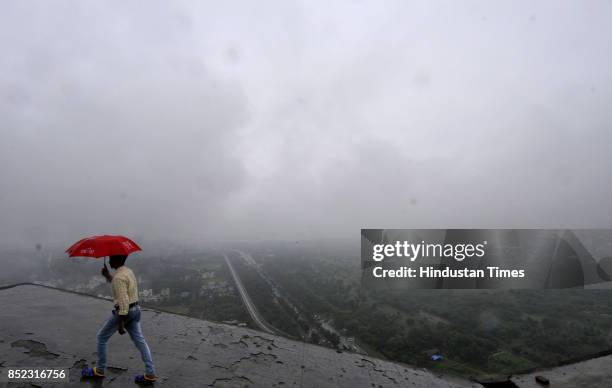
{"points": [[119, 259]]}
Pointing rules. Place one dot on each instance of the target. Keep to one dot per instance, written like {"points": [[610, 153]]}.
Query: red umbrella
{"points": [[102, 246]]}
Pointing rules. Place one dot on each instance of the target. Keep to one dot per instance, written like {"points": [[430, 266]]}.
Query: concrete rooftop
{"points": [[41, 326], [46, 327]]}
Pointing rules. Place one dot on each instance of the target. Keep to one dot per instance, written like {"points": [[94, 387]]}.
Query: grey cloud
{"points": [[202, 121]]}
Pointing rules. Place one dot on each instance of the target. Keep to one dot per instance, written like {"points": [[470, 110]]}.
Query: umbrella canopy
{"points": [[101, 246]]}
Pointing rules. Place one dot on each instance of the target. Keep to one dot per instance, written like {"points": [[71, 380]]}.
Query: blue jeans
{"points": [[132, 326]]}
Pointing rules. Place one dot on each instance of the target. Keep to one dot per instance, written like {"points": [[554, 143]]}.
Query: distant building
{"points": [[148, 295], [165, 293]]}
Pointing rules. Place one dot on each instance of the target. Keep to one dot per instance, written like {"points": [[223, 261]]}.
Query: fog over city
{"points": [[204, 121]]}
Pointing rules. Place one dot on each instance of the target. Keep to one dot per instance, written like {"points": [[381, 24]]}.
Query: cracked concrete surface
{"points": [[47, 327], [34, 348]]}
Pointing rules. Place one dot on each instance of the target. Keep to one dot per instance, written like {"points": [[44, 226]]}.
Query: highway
{"points": [[246, 299], [327, 325]]}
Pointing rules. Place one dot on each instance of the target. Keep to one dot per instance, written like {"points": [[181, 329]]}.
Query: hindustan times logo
{"points": [[413, 251]]}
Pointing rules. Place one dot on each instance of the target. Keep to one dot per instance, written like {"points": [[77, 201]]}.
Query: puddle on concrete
{"points": [[35, 349]]}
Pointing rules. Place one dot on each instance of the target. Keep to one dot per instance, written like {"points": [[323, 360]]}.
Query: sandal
{"points": [[88, 372], [145, 379]]}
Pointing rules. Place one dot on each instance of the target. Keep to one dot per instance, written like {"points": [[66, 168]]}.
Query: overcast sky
{"points": [[291, 120]]}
